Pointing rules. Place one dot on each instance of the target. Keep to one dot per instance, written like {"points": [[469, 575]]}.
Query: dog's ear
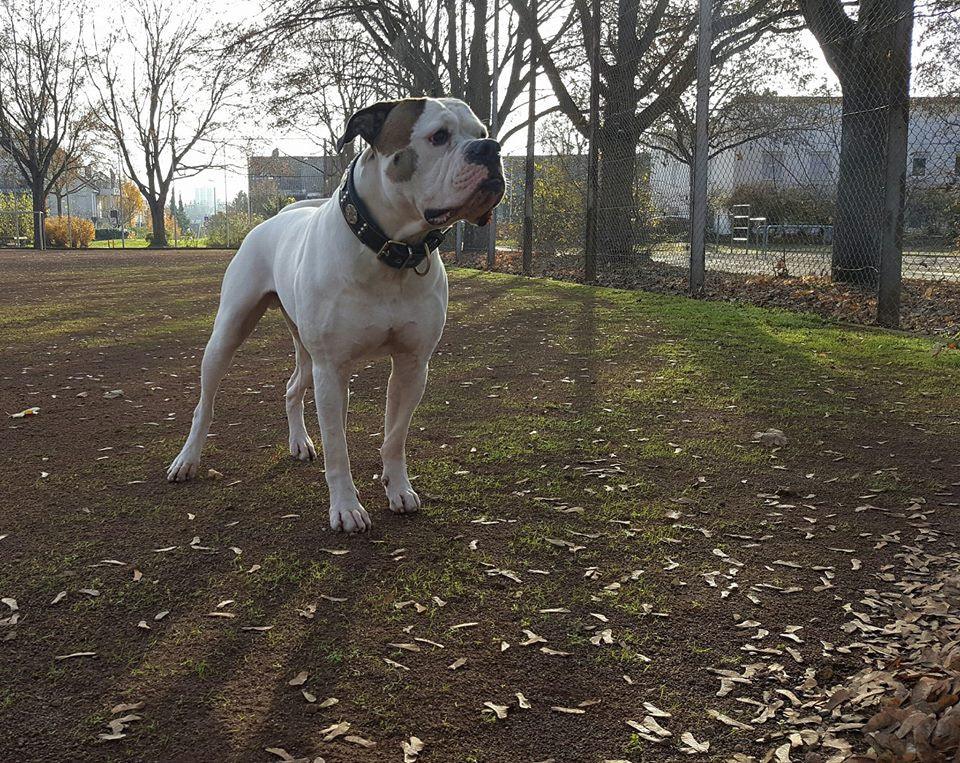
{"points": [[366, 123]]}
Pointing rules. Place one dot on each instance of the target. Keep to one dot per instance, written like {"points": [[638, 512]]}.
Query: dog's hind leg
{"points": [[301, 446], [237, 316]]}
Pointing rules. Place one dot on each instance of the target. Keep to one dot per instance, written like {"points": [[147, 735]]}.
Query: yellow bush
{"points": [[58, 231]]}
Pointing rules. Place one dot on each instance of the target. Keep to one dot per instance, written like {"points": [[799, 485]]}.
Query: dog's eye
{"points": [[440, 137]]}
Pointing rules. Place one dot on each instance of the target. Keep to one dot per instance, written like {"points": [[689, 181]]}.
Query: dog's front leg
{"points": [[408, 378], [330, 383]]}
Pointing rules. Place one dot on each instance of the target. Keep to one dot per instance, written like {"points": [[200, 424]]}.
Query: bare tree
{"points": [[312, 87], [744, 106], [43, 124], [163, 95], [646, 64], [434, 47]]}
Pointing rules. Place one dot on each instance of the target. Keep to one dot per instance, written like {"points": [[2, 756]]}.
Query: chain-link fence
{"points": [[824, 200]]}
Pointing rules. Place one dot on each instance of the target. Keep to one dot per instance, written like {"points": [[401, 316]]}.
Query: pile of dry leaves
{"points": [[909, 689], [903, 705]]}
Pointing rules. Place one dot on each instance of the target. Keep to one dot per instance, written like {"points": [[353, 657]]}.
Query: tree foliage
{"points": [[131, 204]]}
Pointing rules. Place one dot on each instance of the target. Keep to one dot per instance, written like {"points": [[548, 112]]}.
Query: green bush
{"points": [[784, 205], [13, 220], [558, 203], [109, 234], [932, 211], [558, 207], [228, 229]]}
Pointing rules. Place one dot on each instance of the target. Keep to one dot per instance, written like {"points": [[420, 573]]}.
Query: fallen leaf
{"points": [[692, 744], [499, 710], [411, 749], [299, 679]]}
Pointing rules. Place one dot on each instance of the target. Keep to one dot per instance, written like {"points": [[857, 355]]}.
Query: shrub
{"points": [[239, 225], [109, 234], [784, 205], [932, 211], [558, 203], [16, 218], [68, 232]]}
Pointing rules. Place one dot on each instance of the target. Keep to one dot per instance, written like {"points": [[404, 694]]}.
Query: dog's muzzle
{"points": [[485, 151]]}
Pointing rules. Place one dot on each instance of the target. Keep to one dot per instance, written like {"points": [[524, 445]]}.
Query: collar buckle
{"points": [[384, 252]]}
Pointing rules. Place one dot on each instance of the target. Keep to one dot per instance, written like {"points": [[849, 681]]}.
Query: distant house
{"points": [[11, 181], [91, 194], [300, 177], [799, 148]]}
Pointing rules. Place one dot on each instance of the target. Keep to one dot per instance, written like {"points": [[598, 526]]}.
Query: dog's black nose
{"points": [[482, 151]]}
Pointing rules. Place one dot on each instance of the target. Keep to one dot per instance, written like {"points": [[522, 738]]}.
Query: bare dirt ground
{"points": [[610, 565]]}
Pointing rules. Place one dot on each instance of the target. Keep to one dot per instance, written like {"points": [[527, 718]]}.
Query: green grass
{"points": [[142, 243]]}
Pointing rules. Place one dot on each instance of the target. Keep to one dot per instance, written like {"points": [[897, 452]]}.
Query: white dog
{"points": [[358, 279]]}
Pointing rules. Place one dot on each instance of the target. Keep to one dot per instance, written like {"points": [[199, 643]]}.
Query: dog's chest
{"points": [[363, 320]]}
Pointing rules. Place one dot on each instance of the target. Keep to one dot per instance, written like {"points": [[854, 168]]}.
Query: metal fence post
{"points": [[494, 131], [590, 233], [698, 176], [898, 122], [528, 168]]}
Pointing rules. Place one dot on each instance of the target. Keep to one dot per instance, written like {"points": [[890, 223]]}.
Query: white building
{"points": [[796, 144]]}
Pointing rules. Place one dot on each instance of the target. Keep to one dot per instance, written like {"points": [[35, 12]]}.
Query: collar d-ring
{"points": [[427, 259]]}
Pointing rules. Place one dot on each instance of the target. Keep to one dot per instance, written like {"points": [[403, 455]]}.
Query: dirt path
{"points": [[607, 561]]}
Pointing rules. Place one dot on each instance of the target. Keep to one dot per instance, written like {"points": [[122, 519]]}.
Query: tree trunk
{"points": [[860, 183], [453, 57], [862, 55], [157, 208], [39, 206], [617, 212]]}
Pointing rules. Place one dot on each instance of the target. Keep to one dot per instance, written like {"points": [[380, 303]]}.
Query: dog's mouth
{"points": [[477, 209], [439, 216]]}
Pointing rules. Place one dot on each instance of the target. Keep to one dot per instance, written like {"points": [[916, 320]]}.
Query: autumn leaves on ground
{"points": [[610, 564]]}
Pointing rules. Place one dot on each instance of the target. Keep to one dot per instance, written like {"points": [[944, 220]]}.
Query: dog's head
{"points": [[432, 154]]}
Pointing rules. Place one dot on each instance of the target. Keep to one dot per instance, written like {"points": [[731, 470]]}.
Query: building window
{"points": [[820, 166], [919, 168], [771, 165]]}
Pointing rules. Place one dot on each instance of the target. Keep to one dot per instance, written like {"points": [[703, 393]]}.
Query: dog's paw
{"points": [[403, 498], [184, 466], [349, 517], [302, 448]]}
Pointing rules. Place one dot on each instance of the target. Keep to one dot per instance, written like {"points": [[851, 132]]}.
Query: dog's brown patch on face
{"points": [[402, 165], [395, 134]]}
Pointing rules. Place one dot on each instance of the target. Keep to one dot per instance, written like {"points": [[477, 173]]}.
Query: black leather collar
{"points": [[396, 254]]}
